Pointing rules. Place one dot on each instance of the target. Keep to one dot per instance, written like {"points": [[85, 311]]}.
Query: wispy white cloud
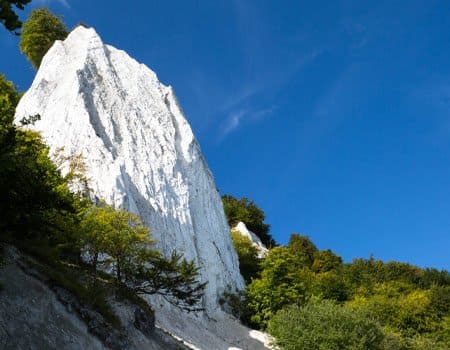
{"points": [[232, 122], [237, 118], [239, 107], [264, 70]]}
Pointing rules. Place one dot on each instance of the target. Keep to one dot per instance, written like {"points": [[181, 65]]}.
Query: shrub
{"points": [[324, 325]]}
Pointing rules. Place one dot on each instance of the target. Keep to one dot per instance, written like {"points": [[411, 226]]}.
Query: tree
{"points": [[9, 97], [174, 278], [279, 285], [31, 188], [7, 15], [124, 242], [39, 33], [34, 187], [330, 285], [75, 168], [249, 263], [117, 233], [326, 260], [303, 249], [249, 213]]}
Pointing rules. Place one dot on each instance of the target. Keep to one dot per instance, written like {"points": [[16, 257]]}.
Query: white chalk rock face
{"points": [[242, 229], [140, 150]]}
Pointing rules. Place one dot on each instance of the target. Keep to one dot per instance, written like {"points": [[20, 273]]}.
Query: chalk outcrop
{"points": [[141, 155], [242, 229], [140, 151]]}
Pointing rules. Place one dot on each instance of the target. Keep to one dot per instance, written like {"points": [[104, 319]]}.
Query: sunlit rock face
{"points": [[242, 229], [139, 149], [141, 155]]}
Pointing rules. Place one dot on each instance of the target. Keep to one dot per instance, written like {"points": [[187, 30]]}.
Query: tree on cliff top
{"points": [[39, 33]]}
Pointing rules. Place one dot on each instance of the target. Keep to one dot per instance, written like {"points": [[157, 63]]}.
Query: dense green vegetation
{"points": [[309, 299], [39, 33], [325, 325]]}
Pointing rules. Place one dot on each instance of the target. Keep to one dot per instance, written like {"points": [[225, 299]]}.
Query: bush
{"points": [[324, 325]]}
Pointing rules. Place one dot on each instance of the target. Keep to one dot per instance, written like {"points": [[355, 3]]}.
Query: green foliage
{"points": [[33, 187], [248, 256], [324, 325], [9, 98], [401, 307], [280, 284], [371, 271], [124, 240], [411, 304], [325, 260], [303, 250], [174, 278], [34, 197], [246, 211], [117, 233], [330, 285], [75, 169], [39, 33], [8, 17]]}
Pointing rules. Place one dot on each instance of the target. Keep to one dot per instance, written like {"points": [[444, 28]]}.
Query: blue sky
{"points": [[332, 115]]}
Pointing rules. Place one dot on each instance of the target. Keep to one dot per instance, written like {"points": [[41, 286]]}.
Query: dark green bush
{"points": [[324, 325]]}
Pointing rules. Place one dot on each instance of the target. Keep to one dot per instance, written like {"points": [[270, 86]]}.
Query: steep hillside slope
{"points": [[34, 316]]}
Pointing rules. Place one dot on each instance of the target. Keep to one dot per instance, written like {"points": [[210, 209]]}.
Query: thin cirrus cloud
{"points": [[237, 118], [237, 115]]}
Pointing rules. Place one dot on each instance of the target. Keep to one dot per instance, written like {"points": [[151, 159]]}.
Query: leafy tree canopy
{"points": [[8, 17], [9, 98], [39, 33], [124, 242], [31, 187], [325, 260], [303, 249]]}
